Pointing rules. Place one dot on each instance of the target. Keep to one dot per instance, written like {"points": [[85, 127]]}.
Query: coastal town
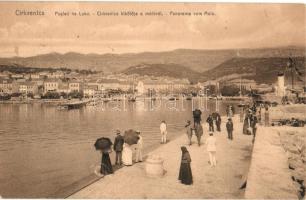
{"points": [[61, 84], [152, 100]]}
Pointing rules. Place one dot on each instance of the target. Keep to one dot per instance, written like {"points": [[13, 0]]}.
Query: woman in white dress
{"points": [[127, 155]]}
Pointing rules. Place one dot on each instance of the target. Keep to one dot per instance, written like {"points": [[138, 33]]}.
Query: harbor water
{"points": [[44, 149]]}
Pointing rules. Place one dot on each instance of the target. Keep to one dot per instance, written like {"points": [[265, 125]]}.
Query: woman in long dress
{"points": [[106, 165], [127, 155], [185, 174]]}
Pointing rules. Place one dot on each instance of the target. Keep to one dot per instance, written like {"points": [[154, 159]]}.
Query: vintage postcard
{"points": [[152, 100]]}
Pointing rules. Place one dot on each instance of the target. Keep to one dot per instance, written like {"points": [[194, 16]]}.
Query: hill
{"points": [[262, 70], [196, 60], [159, 70]]}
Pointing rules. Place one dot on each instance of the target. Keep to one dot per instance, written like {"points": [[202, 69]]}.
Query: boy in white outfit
{"points": [[211, 148], [163, 132]]}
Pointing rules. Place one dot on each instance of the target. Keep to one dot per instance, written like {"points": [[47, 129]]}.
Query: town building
{"points": [[90, 91], [63, 88], [75, 86], [28, 88], [51, 85], [6, 86]]}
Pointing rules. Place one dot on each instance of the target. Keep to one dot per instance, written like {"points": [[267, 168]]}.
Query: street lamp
{"points": [[206, 90]]}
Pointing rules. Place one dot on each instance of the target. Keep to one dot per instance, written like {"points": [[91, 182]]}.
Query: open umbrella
{"points": [[103, 144], [130, 137]]}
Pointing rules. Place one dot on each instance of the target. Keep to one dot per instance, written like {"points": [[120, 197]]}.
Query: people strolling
{"points": [[139, 147], [198, 132], [211, 148], [218, 122], [163, 132], [118, 147], [230, 128], [189, 131], [210, 122], [185, 174], [106, 165], [197, 116], [127, 155]]}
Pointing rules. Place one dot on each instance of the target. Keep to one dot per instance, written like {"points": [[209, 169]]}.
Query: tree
{"points": [[64, 95], [30, 95], [16, 94], [76, 95], [51, 95], [230, 90]]}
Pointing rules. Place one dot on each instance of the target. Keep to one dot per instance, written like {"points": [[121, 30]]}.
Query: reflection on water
{"points": [[43, 149]]}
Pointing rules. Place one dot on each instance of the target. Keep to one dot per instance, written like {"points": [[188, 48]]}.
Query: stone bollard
{"points": [[154, 166]]}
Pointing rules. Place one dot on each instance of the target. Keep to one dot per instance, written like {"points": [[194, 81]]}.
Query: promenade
{"points": [[223, 181], [269, 176]]}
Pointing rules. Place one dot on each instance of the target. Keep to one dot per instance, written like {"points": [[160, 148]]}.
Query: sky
{"points": [[228, 26]]}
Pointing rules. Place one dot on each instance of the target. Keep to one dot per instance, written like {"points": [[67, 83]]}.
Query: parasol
{"points": [[103, 144], [130, 137]]}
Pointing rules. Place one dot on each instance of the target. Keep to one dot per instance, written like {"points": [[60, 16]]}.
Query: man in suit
{"points": [[210, 122], [197, 116], [230, 128], [118, 147], [218, 122]]}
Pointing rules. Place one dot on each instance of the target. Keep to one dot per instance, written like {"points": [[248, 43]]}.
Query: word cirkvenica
{"points": [[29, 12]]}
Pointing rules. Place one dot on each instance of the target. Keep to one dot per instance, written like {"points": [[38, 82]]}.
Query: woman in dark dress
{"points": [[185, 175], [106, 165]]}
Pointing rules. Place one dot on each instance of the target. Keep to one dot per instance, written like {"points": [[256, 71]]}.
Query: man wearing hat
{"points": [[230, 128], [118, 147], [139, 146]]}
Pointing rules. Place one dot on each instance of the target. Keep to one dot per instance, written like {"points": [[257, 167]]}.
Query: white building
{"points": [[28, 87], [280, 88], [6, 86], [90, 90], [51, 85]]}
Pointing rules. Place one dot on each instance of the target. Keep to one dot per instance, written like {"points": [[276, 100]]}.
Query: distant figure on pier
{"points": [[127, 155], [210, 122], [189, 131], [230, 111], [212, 149], [266, 116], [163, 132], [139, 147], [185, 174], [230, 128], [198, 132], [218, 122], [106, 165], [118, 147], [247, 124], [197, 116], [254, 126]]}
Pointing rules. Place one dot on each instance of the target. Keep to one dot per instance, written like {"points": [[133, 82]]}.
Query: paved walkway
{"points": [[269, 175], [223, 181]]}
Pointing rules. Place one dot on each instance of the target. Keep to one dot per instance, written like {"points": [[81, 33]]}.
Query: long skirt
{"points": [[127, 156], [106, 165], [185, 175]]}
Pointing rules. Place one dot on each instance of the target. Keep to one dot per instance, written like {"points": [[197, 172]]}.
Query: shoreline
{"points": [[92, 178], [215, 182]]}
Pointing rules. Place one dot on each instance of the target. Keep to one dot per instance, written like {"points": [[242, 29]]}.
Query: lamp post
{"points": [[206, 90]]}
